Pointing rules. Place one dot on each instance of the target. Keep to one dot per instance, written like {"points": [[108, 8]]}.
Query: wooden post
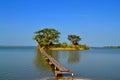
{"points": [[56, 73], [55, 68], [72, 76], [50, 63]]}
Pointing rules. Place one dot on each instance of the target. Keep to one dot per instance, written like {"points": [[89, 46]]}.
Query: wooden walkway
{"points": [[59, 69]]}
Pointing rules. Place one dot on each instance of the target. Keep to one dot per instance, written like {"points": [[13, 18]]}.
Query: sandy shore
{"points": [[66, 49]]}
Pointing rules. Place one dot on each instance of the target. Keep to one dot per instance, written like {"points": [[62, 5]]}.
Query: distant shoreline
{"points": [[111, 47]]}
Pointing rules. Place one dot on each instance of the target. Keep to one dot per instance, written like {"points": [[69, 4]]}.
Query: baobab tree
{"points": [[46, 37], [74, 39]]}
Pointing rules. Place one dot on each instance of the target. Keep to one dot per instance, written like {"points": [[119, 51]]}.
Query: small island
{"points": [[48, 38]]}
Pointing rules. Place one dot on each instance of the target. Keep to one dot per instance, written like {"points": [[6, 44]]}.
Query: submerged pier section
{"points": [[58, 68]]}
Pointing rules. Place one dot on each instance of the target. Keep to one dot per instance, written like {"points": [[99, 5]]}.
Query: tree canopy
{"points": [[74, 39], [46, 37]]}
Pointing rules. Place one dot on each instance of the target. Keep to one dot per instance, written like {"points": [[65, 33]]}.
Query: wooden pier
{"points": [[58, 68]]}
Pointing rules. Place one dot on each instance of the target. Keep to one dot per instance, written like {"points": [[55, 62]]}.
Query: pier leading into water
{"points": [[58, 68]]}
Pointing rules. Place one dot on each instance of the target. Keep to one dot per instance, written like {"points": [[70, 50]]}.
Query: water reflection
{"points": [[74, 57], [40, 62], [54, 54], [71, 56]]}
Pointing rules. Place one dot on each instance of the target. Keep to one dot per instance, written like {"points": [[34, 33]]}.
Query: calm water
{"points": [[27, 64]]}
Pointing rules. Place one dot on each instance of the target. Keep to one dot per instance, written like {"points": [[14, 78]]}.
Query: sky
{"points": [[97, 22]]}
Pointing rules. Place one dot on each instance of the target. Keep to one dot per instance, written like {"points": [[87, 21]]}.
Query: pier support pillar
{"points": [[56, 73], [72, 76], [55, 68]]}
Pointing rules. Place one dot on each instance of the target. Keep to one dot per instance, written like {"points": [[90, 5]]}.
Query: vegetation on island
{"points": [[74, 39], [48, 38]]}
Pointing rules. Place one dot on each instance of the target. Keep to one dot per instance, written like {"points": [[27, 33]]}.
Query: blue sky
{"points": [[97, 22]]}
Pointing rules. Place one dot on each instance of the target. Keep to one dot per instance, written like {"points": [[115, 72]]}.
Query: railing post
{"points": [[72, 76], [55, 68], [56, 73]]}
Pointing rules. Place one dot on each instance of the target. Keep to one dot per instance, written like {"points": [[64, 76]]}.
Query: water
{"points": [[26, 63]]}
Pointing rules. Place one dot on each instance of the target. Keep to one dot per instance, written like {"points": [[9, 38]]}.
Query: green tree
{"points": [[46, 37], [74, 39]]}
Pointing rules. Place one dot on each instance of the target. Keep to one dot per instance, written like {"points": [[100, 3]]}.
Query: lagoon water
{"points": [[26, 63]]}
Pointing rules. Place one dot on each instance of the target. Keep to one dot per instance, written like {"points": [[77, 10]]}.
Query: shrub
{"points": [[70, 46], [64, 45]]}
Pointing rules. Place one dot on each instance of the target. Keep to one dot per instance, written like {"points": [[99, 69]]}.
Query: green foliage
{"points": [[55, 45], [64, 45], [74, 39], [80, 45], [83, 46], [70, 46], [46, 37]]}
